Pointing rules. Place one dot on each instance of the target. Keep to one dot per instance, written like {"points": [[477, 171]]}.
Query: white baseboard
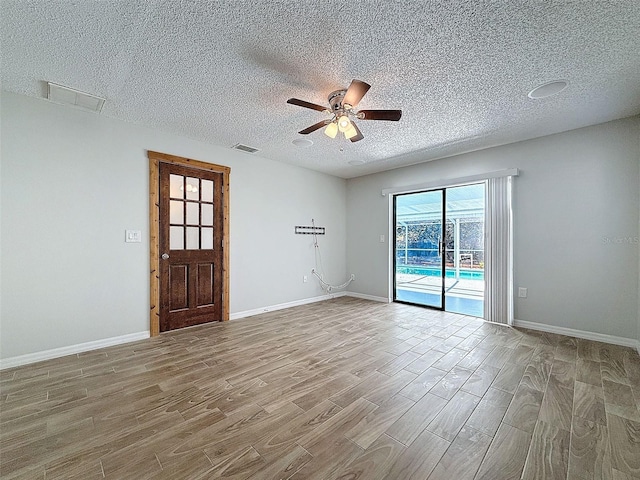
{"points": [[132, 337], [304, 301], [70, 350], [364, 296], [598, 337], [282, 306]]}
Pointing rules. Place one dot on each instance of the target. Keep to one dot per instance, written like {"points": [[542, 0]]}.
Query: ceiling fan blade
{"points": [[392, 115], [355, 92], [302, 103], [313, 127], [359, 135]]}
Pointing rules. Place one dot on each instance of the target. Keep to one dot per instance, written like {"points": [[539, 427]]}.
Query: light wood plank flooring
{"points": [[346, 389]]}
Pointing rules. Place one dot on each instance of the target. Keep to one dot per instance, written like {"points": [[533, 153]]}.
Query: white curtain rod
{"points": [[449, 182]]}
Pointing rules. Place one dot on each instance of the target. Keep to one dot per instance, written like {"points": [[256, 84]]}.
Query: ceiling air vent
{"points": [[244, 148], [70, 96]]}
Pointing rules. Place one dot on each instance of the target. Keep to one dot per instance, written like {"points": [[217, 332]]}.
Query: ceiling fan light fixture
{"points": [[350, 132], [331, 130], [343, 103], [344, 123]]}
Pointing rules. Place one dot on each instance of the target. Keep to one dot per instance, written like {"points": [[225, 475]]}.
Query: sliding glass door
{"points": [[420, 241], [439, 249]]}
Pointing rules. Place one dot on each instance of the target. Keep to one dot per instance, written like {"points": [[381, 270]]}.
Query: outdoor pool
{"points": [[465, 274]]}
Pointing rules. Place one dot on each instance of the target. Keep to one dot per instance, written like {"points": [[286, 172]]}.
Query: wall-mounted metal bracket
{"points": [[303, 230]]}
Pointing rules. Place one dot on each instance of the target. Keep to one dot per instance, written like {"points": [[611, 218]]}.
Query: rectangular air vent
{"points": [[69, 96], [245, 148]]}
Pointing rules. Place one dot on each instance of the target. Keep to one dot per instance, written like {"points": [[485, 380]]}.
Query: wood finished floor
{"points": [[346, 389]]}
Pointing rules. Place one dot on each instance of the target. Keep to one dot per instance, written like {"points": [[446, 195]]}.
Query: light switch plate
{"points": [[133, 236], [522, 292]]}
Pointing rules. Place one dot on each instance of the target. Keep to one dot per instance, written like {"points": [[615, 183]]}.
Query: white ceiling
{"points": [[221, 71]]}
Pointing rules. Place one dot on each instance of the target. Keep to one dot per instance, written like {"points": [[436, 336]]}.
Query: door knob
{"points": [[165, 256]]}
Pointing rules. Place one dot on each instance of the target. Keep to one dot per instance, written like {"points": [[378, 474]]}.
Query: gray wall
{"points": [[576, 224], [73, 181]]}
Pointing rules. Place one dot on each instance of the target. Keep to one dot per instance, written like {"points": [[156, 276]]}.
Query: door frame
{"points": [[155, 158]]}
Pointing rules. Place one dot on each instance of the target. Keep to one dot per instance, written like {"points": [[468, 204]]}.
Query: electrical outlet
{"points": [[304, 279], [522, 292]]}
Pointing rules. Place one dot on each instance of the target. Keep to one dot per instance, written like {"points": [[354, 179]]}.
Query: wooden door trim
{"points": [[155, 158]]}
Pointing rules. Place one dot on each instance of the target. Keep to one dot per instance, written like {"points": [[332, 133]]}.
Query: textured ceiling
{"points": [[221, 71]]}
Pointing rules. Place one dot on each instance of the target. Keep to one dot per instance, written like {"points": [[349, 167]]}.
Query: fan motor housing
{"points": [[335, 99]]}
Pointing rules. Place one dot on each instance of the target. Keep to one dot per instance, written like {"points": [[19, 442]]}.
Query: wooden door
{"points": [[190, 246]]}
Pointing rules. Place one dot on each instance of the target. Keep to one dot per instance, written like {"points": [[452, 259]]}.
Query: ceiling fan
{"points": [[342, 105]]}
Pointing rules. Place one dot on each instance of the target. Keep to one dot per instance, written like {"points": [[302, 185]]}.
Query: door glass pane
{"points": [[192, 214], [176, 186], [207, 190], [193, 240], [176, 238], [176, 211], [418, 248], [207, 238], [207, 214], [192, 188], [464, 283]]}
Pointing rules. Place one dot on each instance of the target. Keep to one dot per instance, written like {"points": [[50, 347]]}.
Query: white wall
{"points": [[575, 203], [73, 181]]}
